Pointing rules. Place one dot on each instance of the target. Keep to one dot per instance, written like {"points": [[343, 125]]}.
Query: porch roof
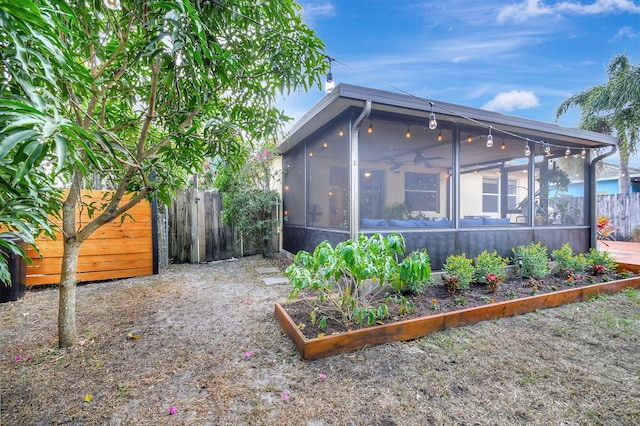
{"points": [[347, 96]]}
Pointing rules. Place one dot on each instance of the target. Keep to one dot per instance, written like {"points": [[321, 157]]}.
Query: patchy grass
{"points": [[576, 364]]}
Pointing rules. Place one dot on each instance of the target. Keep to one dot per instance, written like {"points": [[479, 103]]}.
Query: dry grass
{"points": [[575, 364]]}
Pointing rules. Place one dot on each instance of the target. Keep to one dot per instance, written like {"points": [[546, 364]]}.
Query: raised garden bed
{"points": [[349, 341]]}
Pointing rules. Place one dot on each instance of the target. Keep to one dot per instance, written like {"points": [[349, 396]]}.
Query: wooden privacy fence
{"points": [[197, 233], [120, 249], [623, 211]]}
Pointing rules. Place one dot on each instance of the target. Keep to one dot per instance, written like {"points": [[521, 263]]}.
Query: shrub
{"points": [[532, 260], [600, 262], [458, 272], [568, 264], [351, 275], [489, 264]]}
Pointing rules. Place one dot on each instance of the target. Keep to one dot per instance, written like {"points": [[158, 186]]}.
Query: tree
{"points": [[155, 88], [250, 199], [613, 108], [32, 63]]}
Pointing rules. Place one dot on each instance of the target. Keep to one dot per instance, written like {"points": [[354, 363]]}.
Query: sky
{"points": [[517, 57]]}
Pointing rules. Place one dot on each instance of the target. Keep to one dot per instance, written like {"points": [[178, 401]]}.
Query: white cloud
{"points": [[311, 11], [520, 12], [509, 101], [626, 32]]}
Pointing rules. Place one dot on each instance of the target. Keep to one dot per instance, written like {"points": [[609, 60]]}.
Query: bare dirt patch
{"points": [[196, 325]]}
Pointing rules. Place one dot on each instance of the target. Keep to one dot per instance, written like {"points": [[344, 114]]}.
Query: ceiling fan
{"points": [[421, 159]]}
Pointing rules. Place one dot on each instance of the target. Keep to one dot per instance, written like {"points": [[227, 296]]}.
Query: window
{"points": [[490, 195], [421, 191]]}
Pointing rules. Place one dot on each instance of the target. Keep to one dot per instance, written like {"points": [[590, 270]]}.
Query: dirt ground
{"points": [[202, 340]]}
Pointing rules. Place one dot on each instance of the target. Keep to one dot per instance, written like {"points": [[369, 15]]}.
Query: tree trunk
{"points": [[624, 179], [67, 335]]}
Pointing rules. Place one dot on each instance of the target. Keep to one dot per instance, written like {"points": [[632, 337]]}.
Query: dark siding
{"points": [[439, 245]]}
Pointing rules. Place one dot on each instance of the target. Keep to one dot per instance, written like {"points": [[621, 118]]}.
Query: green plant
{"points": [[458, 272], [249, 203], [532, 260], [351, 277], [461, 301], [568, 264], [489, 264], [600, 262]]}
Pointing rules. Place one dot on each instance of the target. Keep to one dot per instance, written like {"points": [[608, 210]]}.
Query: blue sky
{"points": [[518, 57]]}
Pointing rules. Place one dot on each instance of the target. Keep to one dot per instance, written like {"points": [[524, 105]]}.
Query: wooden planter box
{"points": [[311, 349]]}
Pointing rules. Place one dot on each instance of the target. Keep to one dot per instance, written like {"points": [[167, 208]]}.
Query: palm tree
{"points": [[613, 108]]}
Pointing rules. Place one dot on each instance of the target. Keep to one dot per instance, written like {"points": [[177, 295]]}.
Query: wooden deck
{"points": [[626, 254]]}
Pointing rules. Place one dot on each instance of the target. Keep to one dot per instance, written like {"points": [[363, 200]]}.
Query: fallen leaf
{"points": [[131, 336], [88, 398]]}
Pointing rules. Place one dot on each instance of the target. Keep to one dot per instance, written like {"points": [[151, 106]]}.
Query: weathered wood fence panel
{"points": [[219, 237], [120, 249], [196, 232], [180, 226], [623, 211]]}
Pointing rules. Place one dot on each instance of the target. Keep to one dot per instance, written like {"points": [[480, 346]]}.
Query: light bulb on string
{"points": [[440, 137], [469, 138], [567, 152], [408, 134], [547, 148], [527, 150], [330, 85], [341, 133], [503, 146], [489, 139], [112, 4], [370, 129], [583, 154], [432, 119]]}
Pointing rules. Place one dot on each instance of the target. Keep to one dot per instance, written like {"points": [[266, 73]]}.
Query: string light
{"points": [[440, 137], [567, 153], [330, 85], [341, 133], [432, 119], [503, 146], [527, 150], [112, 4], [370, 129], [583, 154], [469, 138], [547, 148], [489, 139], [408, 134]]}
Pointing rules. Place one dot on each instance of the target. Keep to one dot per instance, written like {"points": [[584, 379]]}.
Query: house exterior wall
{"points": [[428, 183]]}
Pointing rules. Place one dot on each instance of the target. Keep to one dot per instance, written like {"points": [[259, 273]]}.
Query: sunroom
{"points": [[451, 179]]}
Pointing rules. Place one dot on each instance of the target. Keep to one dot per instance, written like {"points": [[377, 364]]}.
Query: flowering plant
{"points": [[604, 229], [494, 282]]}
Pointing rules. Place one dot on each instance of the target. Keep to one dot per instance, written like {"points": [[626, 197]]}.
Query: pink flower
{"points": [[323, 376], [172, 411], [285, 396], [248, 354], [17, 358], [247, 302]]}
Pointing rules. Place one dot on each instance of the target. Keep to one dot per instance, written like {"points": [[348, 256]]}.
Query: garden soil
{"points": [[200, 345]]}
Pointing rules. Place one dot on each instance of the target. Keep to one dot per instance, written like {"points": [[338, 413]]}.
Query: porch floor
{"points": [[626, 253]]}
